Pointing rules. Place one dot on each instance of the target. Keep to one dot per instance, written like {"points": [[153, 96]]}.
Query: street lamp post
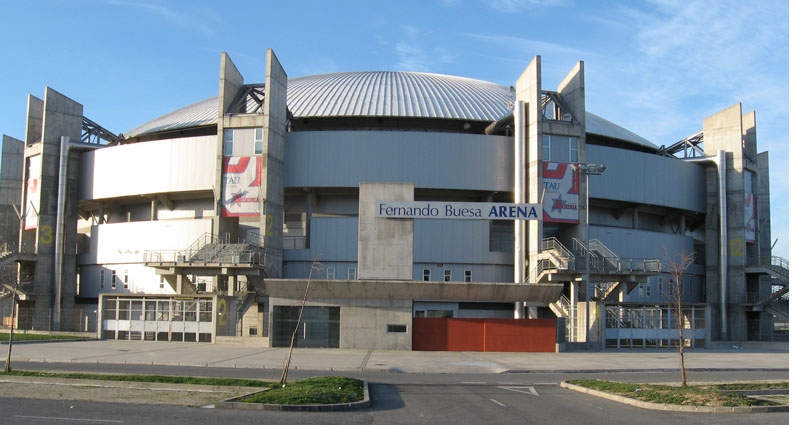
{"points": [[586, 170]]}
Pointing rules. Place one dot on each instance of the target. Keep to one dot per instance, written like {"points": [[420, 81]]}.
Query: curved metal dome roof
{"points": [[385, 94], [397, 94]]}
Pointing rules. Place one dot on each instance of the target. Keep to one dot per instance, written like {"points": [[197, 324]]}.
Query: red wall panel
{"points": [[508, 335]]}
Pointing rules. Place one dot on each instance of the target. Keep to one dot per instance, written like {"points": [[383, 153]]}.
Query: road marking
{"points": [[51, 418], [500, 404], [523, 390]]}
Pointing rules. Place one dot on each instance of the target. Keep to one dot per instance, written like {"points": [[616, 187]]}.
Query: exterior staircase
{"points": [[777, 303], [610, 274]]}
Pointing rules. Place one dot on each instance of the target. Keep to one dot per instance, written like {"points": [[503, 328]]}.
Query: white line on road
{"points": [[500, 404], [52, 418], [523, 390]]}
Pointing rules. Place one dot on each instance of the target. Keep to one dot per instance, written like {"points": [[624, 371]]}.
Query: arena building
{"points": [[390, 210]]}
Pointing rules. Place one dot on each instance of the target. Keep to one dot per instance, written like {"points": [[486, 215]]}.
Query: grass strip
{"points": [[312, 391], [164, 379], [722, 395], [320, 390], [35, 337]]}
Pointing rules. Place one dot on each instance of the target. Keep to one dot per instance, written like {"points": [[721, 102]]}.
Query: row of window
{"points": [[114, 279], [667, 287], [447, 274], [330, 273], [158, 310]]}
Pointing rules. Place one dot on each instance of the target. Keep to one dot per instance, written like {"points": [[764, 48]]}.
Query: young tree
{"points": [[314, 266], [7, 367], [676, 266]]}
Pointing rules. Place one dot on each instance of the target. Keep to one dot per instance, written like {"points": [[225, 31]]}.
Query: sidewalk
{"points": [[242, 356]]}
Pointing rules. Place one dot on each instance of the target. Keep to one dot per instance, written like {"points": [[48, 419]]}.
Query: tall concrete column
{"points": [[55, 279], [727, 242], [275, 86]]}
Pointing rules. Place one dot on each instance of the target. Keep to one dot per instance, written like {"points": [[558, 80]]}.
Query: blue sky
{"points": [[655, 67]]}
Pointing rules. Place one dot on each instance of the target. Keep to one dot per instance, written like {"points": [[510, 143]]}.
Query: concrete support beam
{"points": [[271, 220], [385, 246]]}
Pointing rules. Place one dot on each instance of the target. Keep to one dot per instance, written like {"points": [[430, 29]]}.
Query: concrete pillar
{"points": [[274, 131], [60, 117], [729, 131], [11, 163], [385, 246], [528, 89]]}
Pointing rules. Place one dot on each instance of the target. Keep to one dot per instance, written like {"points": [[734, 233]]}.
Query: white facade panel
{"points": [[174, 165], [126, 242]]}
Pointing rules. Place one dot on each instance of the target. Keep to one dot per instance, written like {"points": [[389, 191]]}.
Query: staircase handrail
{"points": [[778, 265], [775, 261], [553, 244], [597, 246], [639, 264]]}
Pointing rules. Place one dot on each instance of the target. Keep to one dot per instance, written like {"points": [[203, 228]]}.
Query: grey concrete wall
{"points": [[363, 323], [385, 246], [367, 308]]}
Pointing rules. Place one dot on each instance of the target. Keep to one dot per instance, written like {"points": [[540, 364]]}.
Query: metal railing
{"points": [[83, 319], [248, 257], [210, 249], [779, 265], [554, 245]]}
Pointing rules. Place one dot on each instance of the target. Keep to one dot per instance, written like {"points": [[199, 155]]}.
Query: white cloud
{"points": [[415, 52], [689, 59], [171, 15]]}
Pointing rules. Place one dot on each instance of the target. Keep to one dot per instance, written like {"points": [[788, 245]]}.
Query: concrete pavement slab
{"points": [[243, 356]]}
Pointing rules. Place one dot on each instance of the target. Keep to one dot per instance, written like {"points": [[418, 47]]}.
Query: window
{"points": [[259, 141], [545, 147], [644, 288], [448, 275], [295, 235], [102, 277], [396, 328], [125, 280], [467, 275], [426, 275], [331, 273], [227, 142], [573, 150], [351, 273], [113, 279]]}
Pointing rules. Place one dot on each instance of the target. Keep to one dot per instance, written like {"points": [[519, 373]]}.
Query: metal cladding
{"points": [[385, 94], [194, 115], [398, 94]]}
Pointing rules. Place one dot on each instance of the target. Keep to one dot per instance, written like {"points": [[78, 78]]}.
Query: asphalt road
{"points": [[405, 387], [399, 398]]}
